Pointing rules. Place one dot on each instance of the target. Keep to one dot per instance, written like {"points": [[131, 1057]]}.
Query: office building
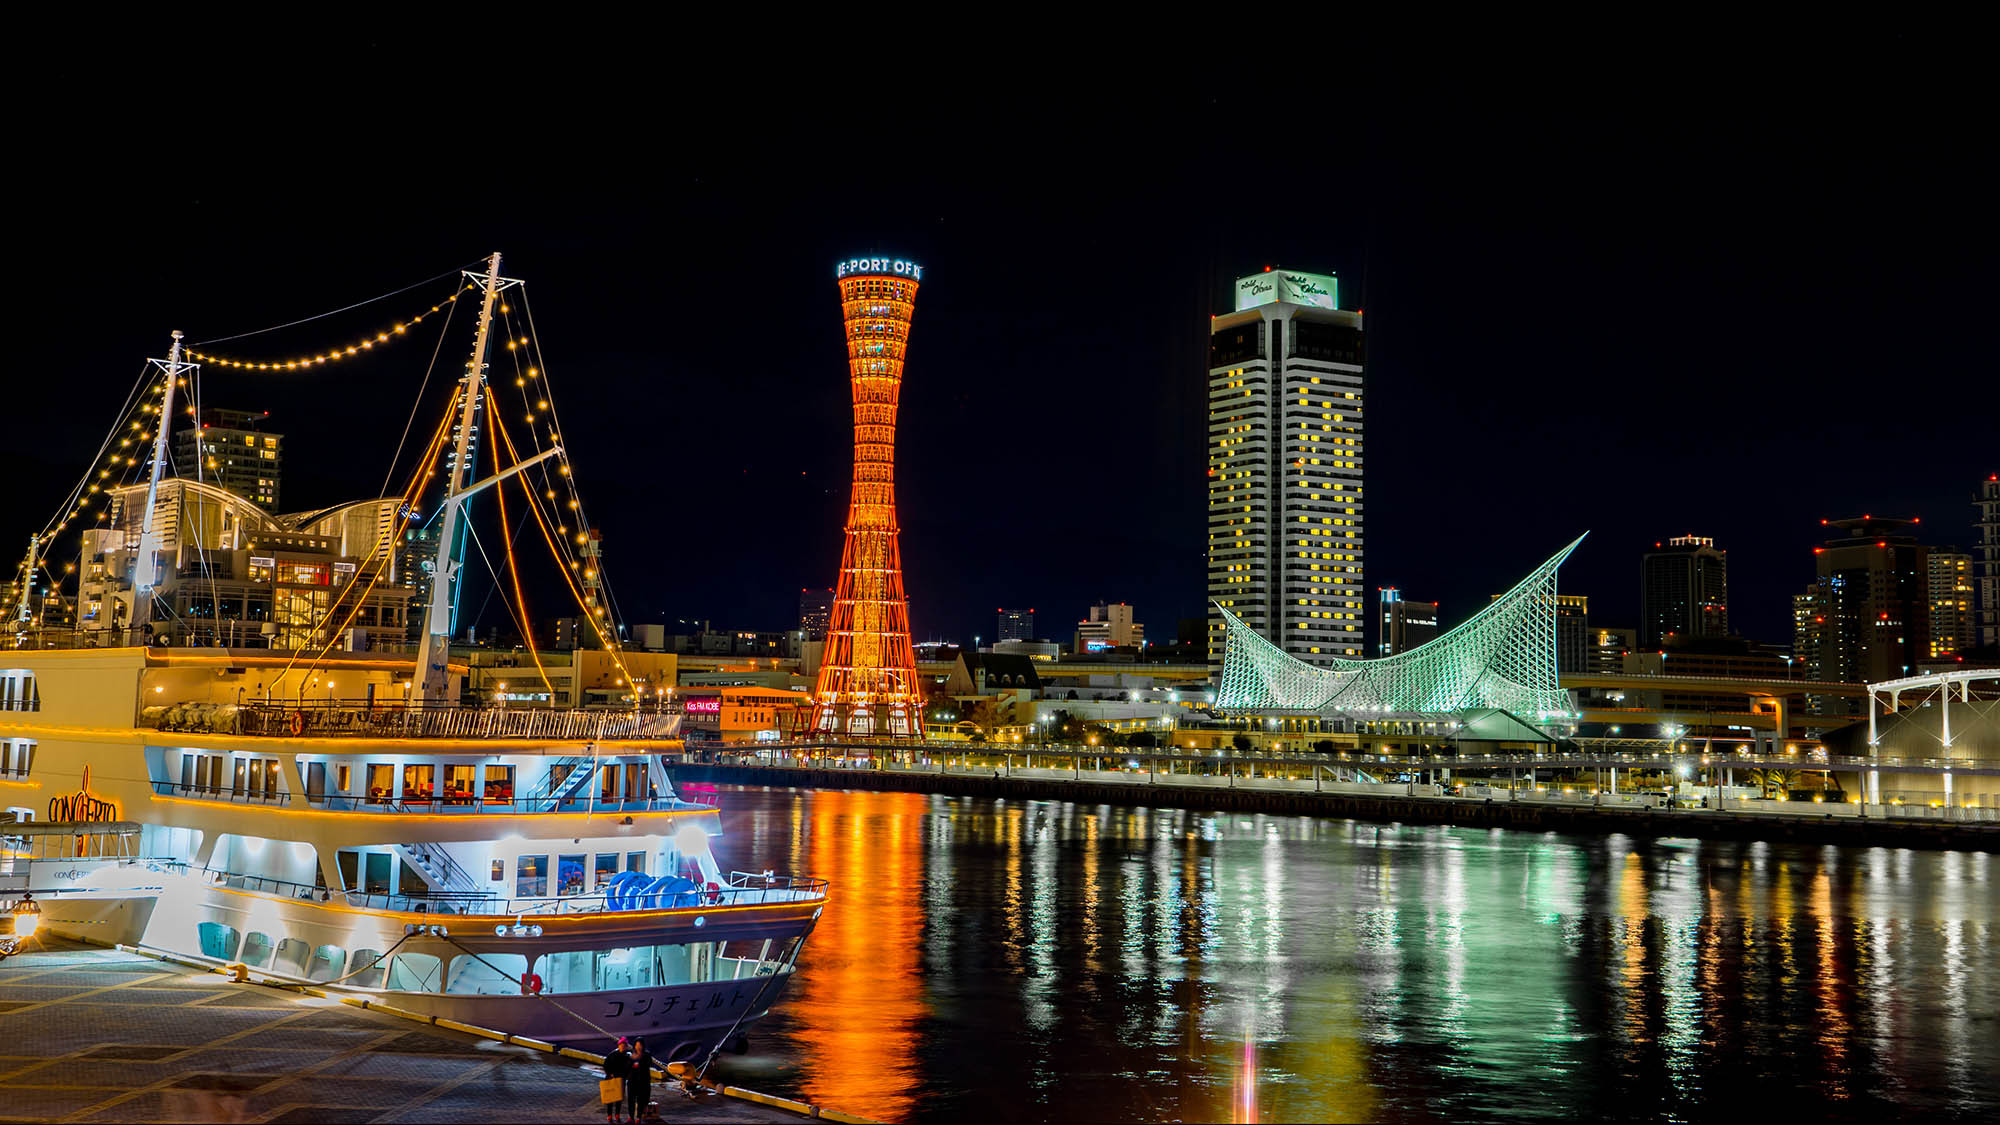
{"points": [[1986, 561], [1016, 625], [1683, 592], [815, 612], [1405, 623], [1951, 597], [1866, 616], [232, 449], [1285, 392], [1109, 625], [1608, 649]]}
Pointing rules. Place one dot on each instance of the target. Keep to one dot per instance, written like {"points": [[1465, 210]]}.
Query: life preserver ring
{"points": [[531, 984], [714, 892], [296, 722]]}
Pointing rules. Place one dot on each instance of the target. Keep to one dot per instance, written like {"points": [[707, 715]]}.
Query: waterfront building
{"points": [[416, 564], [1683, 591], [1708, 658], [815, 613], [234, 575], [1865, 617], [1405, 623], [867, 680], [1987, 577], [1109, 626], [1285, 396], [1951, 602], [586, 676], [727, 715], [231, 448], [1016, 625]]}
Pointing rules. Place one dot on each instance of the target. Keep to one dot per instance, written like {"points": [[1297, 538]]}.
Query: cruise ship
{"points": [[528, 870], [245, 738]]}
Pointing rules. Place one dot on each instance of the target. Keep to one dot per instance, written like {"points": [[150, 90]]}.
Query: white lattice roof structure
{"points": [[1504, 657]]}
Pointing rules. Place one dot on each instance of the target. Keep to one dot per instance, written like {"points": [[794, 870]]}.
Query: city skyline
{"points": [[1463, 396]]}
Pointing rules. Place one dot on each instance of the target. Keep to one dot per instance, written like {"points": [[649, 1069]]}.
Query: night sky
{"points": [[1646, 296]]}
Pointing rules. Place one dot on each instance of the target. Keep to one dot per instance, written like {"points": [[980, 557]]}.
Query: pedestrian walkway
{"points": [[90, 1034]]}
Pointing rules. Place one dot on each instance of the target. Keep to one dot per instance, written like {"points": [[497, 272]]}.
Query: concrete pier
{"points": [[89, 1034], [1394, 805]]}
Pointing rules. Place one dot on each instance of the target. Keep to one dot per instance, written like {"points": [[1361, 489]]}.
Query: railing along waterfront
{"points": [[584, 802], [346, 720], [742, 889]]}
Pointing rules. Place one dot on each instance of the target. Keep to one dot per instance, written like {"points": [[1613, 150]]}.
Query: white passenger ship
{"points": [[440, 858], [524, 869]]}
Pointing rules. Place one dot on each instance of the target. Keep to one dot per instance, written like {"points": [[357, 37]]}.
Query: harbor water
{"points": [[1005, 960]]}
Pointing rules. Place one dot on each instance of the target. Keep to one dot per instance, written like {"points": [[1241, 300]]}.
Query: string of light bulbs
{"points": [[359, 347]]}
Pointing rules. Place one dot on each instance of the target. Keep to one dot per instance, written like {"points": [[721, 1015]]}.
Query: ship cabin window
{"points": [[569, 875], [489, 974], [419, 784], [381, 782], [499, 871], [236, 785], [218, 941], [316, 781], [201, 772], [16, 755], [293, 954], [257, 950], [607, 866], [635, 861], [559, 774], [414, 972], [607, 786], [327, 961], [637, 785], [368, 968], [459, 782], [343, 776], [381, 868], [499, 784], [17, 692], [531, 876]]}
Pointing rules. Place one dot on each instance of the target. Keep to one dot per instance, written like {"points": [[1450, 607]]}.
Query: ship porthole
{"points": [[700, 920]]}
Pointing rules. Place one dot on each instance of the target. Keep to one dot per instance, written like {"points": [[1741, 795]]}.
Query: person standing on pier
{"points": [[618, 1069], [639, 1082]]}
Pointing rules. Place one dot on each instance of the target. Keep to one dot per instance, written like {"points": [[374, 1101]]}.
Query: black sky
{"points": [[1660, 292]]}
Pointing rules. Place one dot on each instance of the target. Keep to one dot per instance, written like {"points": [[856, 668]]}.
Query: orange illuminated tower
{"points": [[868, 672]]}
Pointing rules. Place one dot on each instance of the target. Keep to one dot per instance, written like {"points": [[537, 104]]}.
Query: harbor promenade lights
{"points": [[1503, 658], [868, 675]]}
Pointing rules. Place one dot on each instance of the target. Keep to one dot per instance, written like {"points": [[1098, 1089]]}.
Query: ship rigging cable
{"points": [[334, 355], [335, 312]]}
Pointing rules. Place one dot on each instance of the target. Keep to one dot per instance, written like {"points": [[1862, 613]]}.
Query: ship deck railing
{"points": [[742, 889], [585, 803], [351, 719]]}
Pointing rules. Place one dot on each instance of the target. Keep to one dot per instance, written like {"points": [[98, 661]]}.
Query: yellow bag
{"points": [[611, 1090]]}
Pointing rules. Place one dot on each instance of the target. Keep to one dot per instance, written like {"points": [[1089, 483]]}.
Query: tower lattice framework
{"points": [[868, 673]]}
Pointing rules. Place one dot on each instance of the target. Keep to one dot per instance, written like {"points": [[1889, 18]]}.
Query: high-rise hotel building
{"points": [[1284, 466]]}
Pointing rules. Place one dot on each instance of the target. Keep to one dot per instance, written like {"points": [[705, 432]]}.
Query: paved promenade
{"points": [[91, 1034]]}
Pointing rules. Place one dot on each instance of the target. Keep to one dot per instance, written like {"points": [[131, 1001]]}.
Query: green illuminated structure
{"points": [[1504, 658]]}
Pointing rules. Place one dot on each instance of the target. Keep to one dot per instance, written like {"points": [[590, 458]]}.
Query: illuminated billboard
{"points": [[1319, 290]]}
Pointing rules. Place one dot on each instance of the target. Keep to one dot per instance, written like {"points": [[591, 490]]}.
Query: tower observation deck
{"points": [[868, 674]]}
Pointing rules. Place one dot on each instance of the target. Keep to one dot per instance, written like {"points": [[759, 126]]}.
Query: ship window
{"points": [[292, 956], [414, 972], [381, 782], [187, 771], [218, 941], [368, 968], [327, 961], [343, 776], [236, 786], [607, 866], [257, 950], [499, 783], [569, 874], [315, 781], [379, 870], [418, 782], [635, 861], [458, 783], [489, 974], [531, 876], [499, 870]]}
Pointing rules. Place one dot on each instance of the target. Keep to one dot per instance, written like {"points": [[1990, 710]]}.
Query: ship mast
{"points": [[146, 569], [433, 683]]}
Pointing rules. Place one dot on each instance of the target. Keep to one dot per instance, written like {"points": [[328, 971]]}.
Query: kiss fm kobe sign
{"points": [[897, 267], [82, 808]]}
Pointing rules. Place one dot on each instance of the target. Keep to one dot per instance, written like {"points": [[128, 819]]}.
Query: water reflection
{"points": [[993, 960]]}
